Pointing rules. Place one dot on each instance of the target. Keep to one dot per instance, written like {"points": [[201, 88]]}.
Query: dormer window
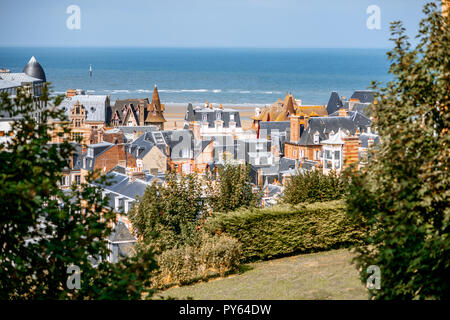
{"points": [[205, 118], [232, 117], [218, 115], [316, 138]]}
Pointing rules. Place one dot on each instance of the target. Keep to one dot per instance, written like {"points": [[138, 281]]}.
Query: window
{"points": [[130, 123], [316, 138], [232, 117], [77, 179], [337, 159], [328, 154], [205, 117], [337, 155], [218, 115]]}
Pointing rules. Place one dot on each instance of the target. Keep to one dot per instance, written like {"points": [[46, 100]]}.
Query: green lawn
{"points": [[325, 275]]}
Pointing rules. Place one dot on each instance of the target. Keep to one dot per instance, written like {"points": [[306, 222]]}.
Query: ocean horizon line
{"points": [[193, 47]]}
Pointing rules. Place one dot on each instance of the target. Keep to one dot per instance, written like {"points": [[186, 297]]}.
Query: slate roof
{"points": [[364, 138], [363, 96], [269, 126], [142, 145], [364, 108], [197, 114], [95, 106], [121, 185], [286, 164], [334, 103], [121, 233], [356, 116], [18, 78], [324, 125]]}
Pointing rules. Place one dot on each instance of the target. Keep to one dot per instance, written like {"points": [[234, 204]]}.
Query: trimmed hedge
{"points": [[284, 230], [214, 256]]}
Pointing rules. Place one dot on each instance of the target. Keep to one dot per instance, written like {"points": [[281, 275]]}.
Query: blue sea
{"points": [[227, 76]]}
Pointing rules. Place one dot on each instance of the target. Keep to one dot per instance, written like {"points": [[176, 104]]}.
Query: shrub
{"points": [[231, 188], [283, 230], [313, 186], [215, 255], [167, 215]]}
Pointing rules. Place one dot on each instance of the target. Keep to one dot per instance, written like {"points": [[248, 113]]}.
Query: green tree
{"points": [[168, 215], [314, 186], [230, 188], [44, 230], [402, 196]]}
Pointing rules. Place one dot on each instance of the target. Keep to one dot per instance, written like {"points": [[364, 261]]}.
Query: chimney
{"points": [[168, 150], [351, 150], [343, 112], [135, 173], [71, 93], [259, 178], [196, 130], [141, 108], [295, 128]]}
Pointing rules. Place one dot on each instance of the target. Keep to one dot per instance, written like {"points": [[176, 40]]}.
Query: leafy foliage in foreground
{"points": [[314, 186], [283, 229], [402, 196], [44, 230]]}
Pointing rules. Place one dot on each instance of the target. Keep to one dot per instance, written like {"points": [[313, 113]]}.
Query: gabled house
{"points": [[306, 136], [137, 112], [209, 121], [104, 156], [282, 110], [188, 154], [120, 243], [87, 116], [150, 151]]}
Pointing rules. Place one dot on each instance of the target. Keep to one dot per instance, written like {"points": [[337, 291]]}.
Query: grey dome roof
{"points": [[34, 69]]}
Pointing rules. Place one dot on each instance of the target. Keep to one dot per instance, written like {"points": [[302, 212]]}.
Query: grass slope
{"points": [[324, 275]]}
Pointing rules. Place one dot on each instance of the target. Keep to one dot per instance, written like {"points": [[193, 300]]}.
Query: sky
{"points": [[204, 23]]}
